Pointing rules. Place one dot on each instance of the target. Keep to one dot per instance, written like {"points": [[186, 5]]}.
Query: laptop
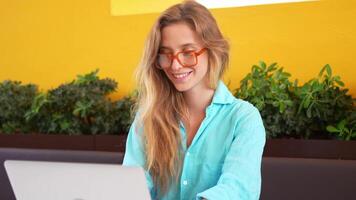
{"points": [[38, 180]]}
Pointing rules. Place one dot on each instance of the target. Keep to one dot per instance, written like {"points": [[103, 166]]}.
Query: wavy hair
{"points": [[159, 104]]}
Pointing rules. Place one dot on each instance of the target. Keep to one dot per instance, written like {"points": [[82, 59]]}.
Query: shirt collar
{"points": [[222, 95]]}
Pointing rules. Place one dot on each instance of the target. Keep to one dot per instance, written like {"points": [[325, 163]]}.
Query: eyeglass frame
{"points": [[175, 56]]}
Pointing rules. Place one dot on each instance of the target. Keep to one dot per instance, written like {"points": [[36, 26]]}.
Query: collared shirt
{"points": [[224, 159]]}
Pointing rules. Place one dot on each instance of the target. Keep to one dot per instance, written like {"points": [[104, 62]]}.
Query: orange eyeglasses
{"points": [[185, 58]]}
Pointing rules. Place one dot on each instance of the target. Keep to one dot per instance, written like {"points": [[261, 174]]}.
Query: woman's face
{"points": [[180, 37]]}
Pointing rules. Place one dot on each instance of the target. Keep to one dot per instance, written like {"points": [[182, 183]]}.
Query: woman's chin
{"points": [[182, 87]]}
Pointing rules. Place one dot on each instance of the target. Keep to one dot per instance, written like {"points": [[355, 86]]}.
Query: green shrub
{"points": [[346, 128], [15, 99], [322, 101], [78, 107], [320, 108], [289, 110], [123, 111], [267, 87]]}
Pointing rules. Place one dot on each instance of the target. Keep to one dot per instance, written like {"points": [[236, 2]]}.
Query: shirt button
{"points": [[185, 182], [188, 153]]}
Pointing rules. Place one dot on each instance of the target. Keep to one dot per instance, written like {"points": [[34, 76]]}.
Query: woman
{"points": [[194, 139]]}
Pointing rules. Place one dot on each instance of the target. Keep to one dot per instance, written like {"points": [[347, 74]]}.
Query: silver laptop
{"points": [[37, 180]]}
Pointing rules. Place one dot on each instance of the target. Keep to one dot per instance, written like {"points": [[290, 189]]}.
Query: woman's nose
{"points": [[175, 64]]}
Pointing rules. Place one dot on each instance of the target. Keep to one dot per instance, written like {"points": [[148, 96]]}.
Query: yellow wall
{"points": [[50, 42]]}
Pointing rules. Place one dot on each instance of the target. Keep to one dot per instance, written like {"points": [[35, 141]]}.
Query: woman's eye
{"points": [[166, 54], [188, 53]]}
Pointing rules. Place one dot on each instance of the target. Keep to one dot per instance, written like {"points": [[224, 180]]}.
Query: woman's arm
{"points": [[134, 155], [241, 171]]}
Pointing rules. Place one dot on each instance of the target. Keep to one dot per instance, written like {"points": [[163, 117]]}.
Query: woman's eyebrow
{"points": [[188, 44], [181, 46]]}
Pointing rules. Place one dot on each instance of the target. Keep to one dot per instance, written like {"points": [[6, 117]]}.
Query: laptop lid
{"points": [[38, 180]]}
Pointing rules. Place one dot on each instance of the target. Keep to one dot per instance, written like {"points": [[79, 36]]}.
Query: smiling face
{"points": [[180, 37]]}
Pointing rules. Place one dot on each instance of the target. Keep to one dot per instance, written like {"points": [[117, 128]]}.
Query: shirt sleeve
{"points": [[134, 155], [241, 172]]}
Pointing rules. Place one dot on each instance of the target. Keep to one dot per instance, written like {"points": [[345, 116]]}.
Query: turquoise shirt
{"points": [[224, 159]]}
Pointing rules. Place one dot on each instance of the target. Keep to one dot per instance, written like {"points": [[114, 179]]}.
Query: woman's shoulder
{"points": [[245, 113], [242, 107], [247, 119]]}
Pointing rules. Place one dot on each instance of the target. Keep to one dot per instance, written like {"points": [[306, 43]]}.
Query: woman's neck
{"points": [[198, 98]]}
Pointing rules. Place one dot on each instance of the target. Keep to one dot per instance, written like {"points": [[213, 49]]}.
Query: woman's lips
{"points": [[181, 77]]}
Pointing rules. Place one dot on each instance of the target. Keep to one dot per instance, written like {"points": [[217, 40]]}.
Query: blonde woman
{"points": [[194, 139]]}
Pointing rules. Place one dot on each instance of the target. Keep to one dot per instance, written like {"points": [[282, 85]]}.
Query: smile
{"points": [[182, 76]]}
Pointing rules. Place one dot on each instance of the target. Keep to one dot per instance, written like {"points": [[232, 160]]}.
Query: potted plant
{"points": [[313, 120], [300, 120], [75, 115]]}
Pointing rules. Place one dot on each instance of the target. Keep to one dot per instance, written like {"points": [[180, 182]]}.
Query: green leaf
{"points": [[272, 67], [87, 78], [341, 124], [332, 129], [322, 71], [328, 70], [263, 65], [348, 137], [282, 107], [309, 111], [340, 83], [307, 102]]}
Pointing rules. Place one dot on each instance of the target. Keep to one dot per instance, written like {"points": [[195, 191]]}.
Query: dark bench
{"points": [[304, 179], [282, 178]]}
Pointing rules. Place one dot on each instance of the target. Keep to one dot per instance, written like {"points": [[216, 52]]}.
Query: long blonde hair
{"points": [[159, 104]]}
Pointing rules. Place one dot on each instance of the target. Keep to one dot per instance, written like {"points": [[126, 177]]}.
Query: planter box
{"points": [[298, 148], [294, 148], [110, 142], [65, 142]]}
